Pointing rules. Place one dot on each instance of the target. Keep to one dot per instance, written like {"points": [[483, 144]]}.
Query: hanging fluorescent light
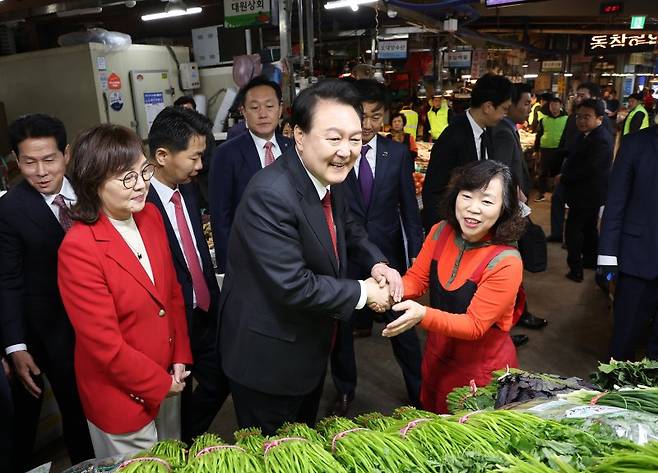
{"points": [[78, 12], [171, 14], [347, 3]]}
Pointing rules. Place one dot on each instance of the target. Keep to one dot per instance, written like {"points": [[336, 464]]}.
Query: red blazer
{"points": [[128, 331]]}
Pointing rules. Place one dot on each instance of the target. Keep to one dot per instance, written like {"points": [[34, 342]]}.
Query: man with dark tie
{"points": [[286, 280], [177, 140], [382, 198], [236, 161], [36, 333], [465, 140]]}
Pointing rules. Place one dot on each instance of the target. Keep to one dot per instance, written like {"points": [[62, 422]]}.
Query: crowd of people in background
{"points": [[108, 286]]}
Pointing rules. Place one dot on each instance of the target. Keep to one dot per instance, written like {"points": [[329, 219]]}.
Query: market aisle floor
{"points": [[577, 336]]}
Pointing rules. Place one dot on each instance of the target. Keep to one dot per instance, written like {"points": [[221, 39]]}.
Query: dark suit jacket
{"points": [[393, 205], [455, 147], [629, 229], [182, 271], [585, 172], [284, 288], [507, 149], [233, 165], [30, 303]]}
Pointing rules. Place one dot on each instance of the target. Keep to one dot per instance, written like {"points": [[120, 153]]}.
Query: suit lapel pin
{"points": [[385, 154]]}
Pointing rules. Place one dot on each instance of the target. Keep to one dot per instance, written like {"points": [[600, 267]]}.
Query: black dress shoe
{"points": [[554, 239], [575, 276], [342, 405], [528, 320], [519, 339], [361, 332]]}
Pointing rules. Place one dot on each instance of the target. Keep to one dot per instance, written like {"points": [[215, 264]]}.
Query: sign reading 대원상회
{"points": [[245, 13], [621, 43]]}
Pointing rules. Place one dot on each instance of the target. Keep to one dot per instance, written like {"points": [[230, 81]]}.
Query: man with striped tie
{"points": [[37, 336]]}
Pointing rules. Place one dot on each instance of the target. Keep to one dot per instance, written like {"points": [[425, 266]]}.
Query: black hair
{"points": [[400, 115], [477, 175], [174, 126], [555, 98], [594, 104], [372, 91], [256, 82], [637, 96], [184, 100], [334, 90], [37, 125], [546, 96], [518, 90], [594, 90], [491, 88]]}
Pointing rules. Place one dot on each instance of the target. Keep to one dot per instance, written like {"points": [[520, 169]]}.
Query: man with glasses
{"points": [[177, 141], [37, 336]]}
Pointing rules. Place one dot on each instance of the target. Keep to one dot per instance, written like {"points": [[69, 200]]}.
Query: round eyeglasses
{"points": [[131, 178]]}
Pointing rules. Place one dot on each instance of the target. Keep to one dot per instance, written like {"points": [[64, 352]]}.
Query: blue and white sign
{"points": [[392, 49], [154, 104]]}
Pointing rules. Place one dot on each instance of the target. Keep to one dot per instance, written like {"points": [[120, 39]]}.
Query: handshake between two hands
{"points": [[385, 291]]}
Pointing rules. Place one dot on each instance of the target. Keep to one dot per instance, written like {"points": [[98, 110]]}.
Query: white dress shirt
{"points": [[165, 192], [371, 157], [70, 198], [322, 191], [260, 146], [477, 134]]}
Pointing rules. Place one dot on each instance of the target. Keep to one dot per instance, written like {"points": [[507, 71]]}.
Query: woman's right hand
{"points": [[176, 388], [413, 313]]}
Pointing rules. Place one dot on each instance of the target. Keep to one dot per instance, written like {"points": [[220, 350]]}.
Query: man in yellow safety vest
{"points": [[638, 117], [438, 118], [411, 116]]}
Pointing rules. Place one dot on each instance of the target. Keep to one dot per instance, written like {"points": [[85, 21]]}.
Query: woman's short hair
{"points": [[99, 153], [510, 225], [400, 115]]}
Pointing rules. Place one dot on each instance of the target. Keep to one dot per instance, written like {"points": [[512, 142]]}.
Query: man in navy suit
{"points": [[36, 333], [236, 161], [628, 244], [177, 140], [382, 198]]}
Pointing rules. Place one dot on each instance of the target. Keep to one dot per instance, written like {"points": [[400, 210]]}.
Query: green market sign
{"points": [[246, 13]]}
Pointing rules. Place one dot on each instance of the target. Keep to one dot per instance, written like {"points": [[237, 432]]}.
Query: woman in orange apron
{"points": [[473, 272]]}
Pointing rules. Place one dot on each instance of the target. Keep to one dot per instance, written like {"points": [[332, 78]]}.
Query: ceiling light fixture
{"points": [[347, 3], [78, 12], [173, 9]]}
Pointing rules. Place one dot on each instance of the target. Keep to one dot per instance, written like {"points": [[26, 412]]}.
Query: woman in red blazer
{"points": [[119, 287]]}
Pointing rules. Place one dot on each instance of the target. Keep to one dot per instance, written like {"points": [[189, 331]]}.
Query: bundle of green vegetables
{"points": [[250, 439], [298, 455], [376, 421], [641, 459], [204, 441], [224, 458], [472, 398], [361, 450], [145, 464], [635, 399], [626, 373], [174, 451]]}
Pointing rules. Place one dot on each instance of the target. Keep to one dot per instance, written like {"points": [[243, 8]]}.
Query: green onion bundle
{"points": [[204, 441], [250, 439], [298, 455], [145, 464], [411, 413], [174, 451], [224, 458], [638, 399], [643, 459], [362, 450], [376, 421]]}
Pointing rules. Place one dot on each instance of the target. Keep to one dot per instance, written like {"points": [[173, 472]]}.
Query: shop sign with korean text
{"points": [[551, 66], [458, 59], [602, 44], [392, 49], [246, 13]]}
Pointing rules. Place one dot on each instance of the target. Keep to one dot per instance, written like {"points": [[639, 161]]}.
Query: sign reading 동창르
{"points": [[246, 13], [602, 44]]}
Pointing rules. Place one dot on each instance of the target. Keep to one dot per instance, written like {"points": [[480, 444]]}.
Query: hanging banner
{"points": [[479, 63], [602, 44], [246, 13]]}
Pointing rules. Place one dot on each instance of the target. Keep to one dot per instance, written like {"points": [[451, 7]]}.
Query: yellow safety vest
{"points": [[438, 120], [629, 118], [412, 122], [531, 118], [553, 129]]}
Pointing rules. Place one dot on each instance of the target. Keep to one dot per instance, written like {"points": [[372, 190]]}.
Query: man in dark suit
{"points": [[236, 161], [465, 140], [177, 140], [37, 334], [628, 244], [584, 177], [286, 282], [382, 198]]}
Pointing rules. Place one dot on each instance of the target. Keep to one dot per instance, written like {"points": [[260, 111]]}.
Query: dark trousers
{"points": [[7, 422], [406, 348], [58, 367], [549, 167], [557, 212], [200, 405], [270, 411], [635, 315], [582, 237]]}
